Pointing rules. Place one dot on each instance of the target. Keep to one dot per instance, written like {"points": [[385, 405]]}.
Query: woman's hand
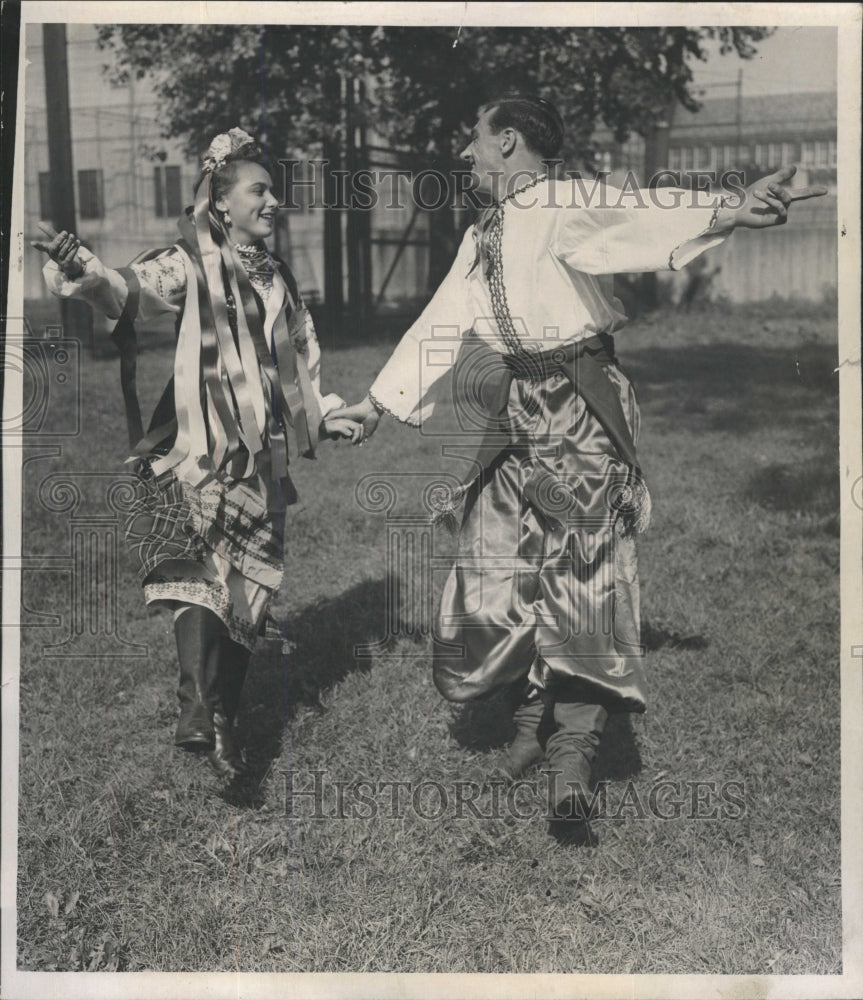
{"points": [[63, 250], [363, 412], [339, 426]]}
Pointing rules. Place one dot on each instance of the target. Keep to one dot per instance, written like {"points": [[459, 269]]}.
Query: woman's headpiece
{"points": [[227, 144]]}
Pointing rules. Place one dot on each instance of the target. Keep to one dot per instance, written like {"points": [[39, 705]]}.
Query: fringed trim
{"points": [[379, 406], [444, 501], [634, 506]]}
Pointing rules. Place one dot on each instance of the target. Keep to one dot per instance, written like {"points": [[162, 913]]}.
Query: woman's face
{"points": [[250, 203]]}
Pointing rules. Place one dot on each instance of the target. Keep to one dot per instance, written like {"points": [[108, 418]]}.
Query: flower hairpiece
{"points": [[225, 145]]}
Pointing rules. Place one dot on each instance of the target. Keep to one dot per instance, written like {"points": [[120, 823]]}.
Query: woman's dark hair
{"points": [[225, 177], [538, 121]]}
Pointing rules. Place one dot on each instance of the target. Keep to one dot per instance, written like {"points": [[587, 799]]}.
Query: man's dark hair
{"points": [[537, 120]]}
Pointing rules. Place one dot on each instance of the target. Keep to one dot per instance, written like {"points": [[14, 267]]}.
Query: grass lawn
{"points": [[133, 858]]}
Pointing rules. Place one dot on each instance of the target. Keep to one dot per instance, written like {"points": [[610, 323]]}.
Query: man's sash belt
{"points": [[485, 379]]}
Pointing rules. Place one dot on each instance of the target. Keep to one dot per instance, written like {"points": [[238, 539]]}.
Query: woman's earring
{"points": [[226, 218]]}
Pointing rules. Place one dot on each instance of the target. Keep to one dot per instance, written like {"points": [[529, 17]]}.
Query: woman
{"points": [[206, 525]]}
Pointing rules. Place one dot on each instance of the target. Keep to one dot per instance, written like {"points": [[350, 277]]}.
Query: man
{"points": [[543, 596]]}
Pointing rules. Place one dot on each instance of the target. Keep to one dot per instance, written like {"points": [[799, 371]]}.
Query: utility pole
{"points": [[333, 291], [76, 317], [738, 116]]}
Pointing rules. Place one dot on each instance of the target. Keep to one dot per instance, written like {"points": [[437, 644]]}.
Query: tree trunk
{"points": [[76, 317]]}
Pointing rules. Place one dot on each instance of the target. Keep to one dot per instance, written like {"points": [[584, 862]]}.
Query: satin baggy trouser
{"points": [[545, 582]]}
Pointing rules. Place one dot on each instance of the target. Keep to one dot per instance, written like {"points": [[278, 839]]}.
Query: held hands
{"points": [[63, 250], [766, 202], [342, 427], [364, 413]]}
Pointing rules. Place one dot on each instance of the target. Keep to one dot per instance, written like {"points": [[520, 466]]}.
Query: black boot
{"points": [[225, 757], [570, 752], [198, 631], [525, 750]]}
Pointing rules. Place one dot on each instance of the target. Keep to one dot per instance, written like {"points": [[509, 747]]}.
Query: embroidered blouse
{"points": [[551, 251], [163, 290]]}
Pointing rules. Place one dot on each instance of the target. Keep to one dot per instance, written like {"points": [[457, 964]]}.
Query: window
{"points": [[674, 159], [788, 153], [774, 154], [90, 202], [702, 157], [729, 157], [169, 199], [46, 210], [831, 152], [807, 154], [821, 153], [759, 154]]}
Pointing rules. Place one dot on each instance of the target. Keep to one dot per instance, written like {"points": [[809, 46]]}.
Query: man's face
{"points": [[484, 155]]}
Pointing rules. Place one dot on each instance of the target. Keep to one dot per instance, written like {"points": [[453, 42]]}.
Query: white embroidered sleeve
{"points": [[163, 285], [408, 383], [618, 232], [307, 344]]}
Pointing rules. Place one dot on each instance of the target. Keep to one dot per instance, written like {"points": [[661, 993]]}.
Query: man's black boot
{"points": [[525, 750], [570, 752]]}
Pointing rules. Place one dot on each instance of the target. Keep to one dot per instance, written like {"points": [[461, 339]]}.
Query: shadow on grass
{"points": [[811, 486], [731, 386], [322, 641], [657, 635]]}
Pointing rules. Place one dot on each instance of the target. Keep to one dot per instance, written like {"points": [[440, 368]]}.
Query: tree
{"points": [[427, 82], [282, 82]]}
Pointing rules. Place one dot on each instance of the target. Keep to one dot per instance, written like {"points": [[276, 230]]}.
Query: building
{"points": [[755, 135], [131, 184]]}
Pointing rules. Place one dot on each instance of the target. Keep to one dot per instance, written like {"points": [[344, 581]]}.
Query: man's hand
{"points": [[63, 250], [363, 412], [766, 202], [338, 426]]}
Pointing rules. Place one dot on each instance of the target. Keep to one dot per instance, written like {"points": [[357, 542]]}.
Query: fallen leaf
{"points": [[757, 861], [71, 903], [52, 903]]}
